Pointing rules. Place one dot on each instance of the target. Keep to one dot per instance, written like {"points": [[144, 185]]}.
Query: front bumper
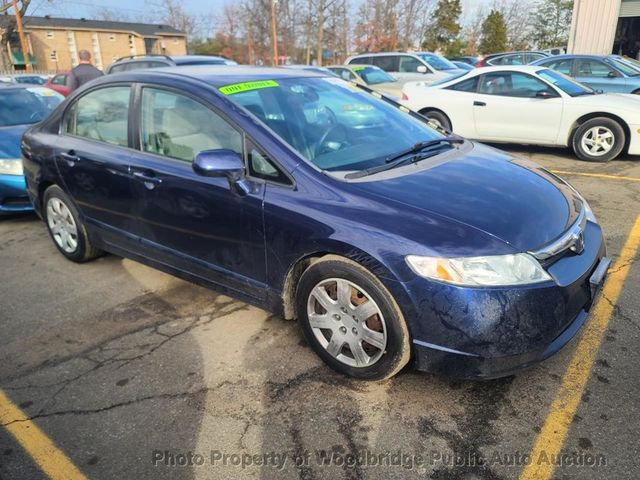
{"points": [[13, 194], [490, 333]]}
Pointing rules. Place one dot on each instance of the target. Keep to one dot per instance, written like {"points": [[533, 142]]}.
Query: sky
{"points": [[133, 8]]}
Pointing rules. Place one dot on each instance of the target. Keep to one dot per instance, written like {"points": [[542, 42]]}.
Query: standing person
{"points": [[83, 73]]}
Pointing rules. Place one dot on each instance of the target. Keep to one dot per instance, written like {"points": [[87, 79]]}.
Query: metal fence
{"points": [[24, 72]]}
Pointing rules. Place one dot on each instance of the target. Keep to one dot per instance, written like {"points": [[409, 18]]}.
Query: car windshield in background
{"points": [[626, 68], [373, 76], [333, 124], [22, 106], [437, 62], [564, 83], [452, 77], [32, 79]]}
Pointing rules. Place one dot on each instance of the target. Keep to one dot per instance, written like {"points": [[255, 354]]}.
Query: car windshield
{"points": [[632, 62], [21, 106], [332, 123], [437, 62], [451, 78], [628, 69], [373, 75], [565, 83], [35, 80]]}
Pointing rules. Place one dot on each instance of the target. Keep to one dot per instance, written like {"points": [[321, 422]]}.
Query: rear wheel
{"points": [[65, 227], [438, 118], [351, 320], [599, 140]]}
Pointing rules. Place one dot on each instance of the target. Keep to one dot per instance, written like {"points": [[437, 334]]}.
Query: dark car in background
{"points": [[136, 62], [468, 60], [510, 58], [20, 107], [388, 239], [608, 73]]}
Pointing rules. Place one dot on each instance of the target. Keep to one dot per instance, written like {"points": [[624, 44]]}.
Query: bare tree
{"points": [[8, 30]]}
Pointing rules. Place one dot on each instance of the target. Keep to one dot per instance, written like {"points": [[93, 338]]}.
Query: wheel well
{"points": [[41, 189], [297, 269], [611, 116]]}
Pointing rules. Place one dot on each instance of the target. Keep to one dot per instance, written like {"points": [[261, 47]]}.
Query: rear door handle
{"points": [[150, 181], [479, 104], [70, 157]]}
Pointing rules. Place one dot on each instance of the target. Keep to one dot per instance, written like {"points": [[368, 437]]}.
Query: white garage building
{"points": [[606, 26]]}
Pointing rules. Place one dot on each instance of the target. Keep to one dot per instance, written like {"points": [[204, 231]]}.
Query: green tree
{"points": [[444, 31], [552, 22], [494, 34]]}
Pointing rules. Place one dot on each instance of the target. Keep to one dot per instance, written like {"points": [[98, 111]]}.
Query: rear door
{"points": [[93, 156], [507, 108], [193, 223]]}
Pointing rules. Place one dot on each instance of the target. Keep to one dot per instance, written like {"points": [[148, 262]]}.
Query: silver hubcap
{"points": [[347, 322], [62, 225], [598, 141]]}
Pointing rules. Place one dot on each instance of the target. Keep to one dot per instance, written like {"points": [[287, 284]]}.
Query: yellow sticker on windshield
{"points": [[357, 69], [247, 86]]}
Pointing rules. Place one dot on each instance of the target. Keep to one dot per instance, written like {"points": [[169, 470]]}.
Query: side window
{"points": [[59, 80], [512, 84], [345, 74], [101, 115], [361, 61], [562, 66], [117, 68], [179, 127], [260, 166], [388, 63], [532, 57], [409, 64], [593, 68], [470, 85]]}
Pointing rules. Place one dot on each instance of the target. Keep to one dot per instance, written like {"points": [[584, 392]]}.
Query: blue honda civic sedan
{"points": [[20, 107], [388, 240]]}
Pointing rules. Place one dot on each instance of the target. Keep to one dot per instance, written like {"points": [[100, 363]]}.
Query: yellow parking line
{"points": [[42, 450], [597, 175], [551, 438]]}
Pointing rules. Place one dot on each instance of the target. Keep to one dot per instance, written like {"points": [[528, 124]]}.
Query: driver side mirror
{"points": [[421, 69], [219, 163], [544, 94], [612, 74]]}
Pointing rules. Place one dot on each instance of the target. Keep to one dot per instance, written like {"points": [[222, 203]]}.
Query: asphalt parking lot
{"points": [[114, 370]]}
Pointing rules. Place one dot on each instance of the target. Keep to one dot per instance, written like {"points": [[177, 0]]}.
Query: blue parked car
{"points": [[389, 241], [20, 107], [609, 73]]}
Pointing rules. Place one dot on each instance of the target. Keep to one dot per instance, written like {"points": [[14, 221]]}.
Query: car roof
{"points": [[19, 86], [508, 68], [378, 54], [217, 76], [179, 59], [577, 55], [515, 52]]}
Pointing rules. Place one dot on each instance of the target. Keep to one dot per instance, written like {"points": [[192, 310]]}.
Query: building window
{"points": [[49, 34], [53, 56], [112, 37]]}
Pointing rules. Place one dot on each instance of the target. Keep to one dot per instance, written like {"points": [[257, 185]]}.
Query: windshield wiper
{"points": [[403, 157]]}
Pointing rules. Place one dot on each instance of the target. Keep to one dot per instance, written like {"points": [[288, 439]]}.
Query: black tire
{"points": [[585, 132], [438, 117], [385, 362], [84, 250]]}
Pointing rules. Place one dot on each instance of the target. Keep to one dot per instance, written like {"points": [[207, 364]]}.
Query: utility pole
{"points": [[274, 34], [23, 43]]}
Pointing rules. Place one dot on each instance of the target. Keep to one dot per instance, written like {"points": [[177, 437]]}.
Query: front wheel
{"points": [[439, 118], [599, 140], [351, 320], [65, 227]]}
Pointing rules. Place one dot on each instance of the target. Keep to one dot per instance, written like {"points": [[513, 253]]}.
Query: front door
{"points": [[507, 108], [93, 158], [194, 223]]}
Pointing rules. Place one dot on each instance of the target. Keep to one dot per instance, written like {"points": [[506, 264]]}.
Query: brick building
{"points": [[54, 43]]}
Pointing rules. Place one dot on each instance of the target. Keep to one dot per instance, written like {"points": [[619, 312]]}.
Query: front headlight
{"points": [[490, 271], [11, 166]]}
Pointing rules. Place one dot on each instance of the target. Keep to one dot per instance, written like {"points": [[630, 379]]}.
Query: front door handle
{"points": [[70, 157], [479, 104], [150, 181]]}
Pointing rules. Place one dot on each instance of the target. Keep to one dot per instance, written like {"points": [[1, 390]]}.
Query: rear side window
{"points": [[176, 126], [470, 85], [361, 61], [562, 66], [59, 80], [101, 115], [388, 63]]}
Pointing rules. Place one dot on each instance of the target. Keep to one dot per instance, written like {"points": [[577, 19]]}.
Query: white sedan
{"points": [[531, 105]]}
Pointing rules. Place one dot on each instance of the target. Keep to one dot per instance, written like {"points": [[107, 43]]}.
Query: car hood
{"points": [[610, 101], [392, 88], [10, 138], [513, 200]]}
